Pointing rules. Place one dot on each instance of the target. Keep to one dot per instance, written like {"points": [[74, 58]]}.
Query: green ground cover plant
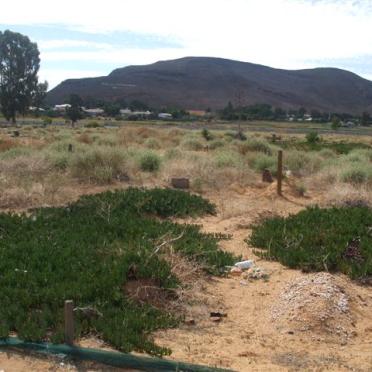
{"points": [[337, 239], [87, 252]]}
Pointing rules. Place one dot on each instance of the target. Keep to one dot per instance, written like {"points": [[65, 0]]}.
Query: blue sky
{"points": [[91, 38]]}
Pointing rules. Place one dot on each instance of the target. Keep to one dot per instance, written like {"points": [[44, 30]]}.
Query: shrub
{"points": [[152, 143], [85, 138], [97, 165], [312, 138], [15, 152], [226, 159], [47, 121], [172, 153], [217, 143], [302, 163], [240, 136], [88, 252], [255, 144], [58, 160], [206, 134], [92, 124], [262, 161], [319, 239], [327, 154], [300, 189], [357, 174], [149, 162], [192, 144]]}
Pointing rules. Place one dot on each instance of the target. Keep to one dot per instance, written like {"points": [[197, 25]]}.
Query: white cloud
{"points": [[280, 33], [67, 43]]}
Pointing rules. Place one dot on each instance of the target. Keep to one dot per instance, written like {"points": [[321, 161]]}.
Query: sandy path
{"points": [[247, 339]]}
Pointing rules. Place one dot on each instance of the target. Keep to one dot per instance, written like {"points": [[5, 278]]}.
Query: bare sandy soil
{"points": [[249, 338]]}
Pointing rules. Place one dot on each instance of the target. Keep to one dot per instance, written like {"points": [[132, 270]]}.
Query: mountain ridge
{"points": [[202, 82]]}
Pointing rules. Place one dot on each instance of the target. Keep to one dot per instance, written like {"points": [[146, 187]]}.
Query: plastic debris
{"points": [[244, 265]]}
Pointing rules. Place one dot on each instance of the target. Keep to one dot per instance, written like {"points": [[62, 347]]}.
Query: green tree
{"points": [[39, 95], [336, 122], [74, 112], [112, 109], [366, 119], [19, 65], [301, 112]]}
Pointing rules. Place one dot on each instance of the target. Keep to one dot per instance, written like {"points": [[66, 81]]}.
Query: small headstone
{"points": [[123, 177], [266, 176], [180, 183]]}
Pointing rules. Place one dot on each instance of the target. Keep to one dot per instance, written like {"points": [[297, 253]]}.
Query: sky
{"points": [[79, 38]]}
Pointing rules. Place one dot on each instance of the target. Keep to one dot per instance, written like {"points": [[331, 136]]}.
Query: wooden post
{"points": [[280, 172], [69, 322]]}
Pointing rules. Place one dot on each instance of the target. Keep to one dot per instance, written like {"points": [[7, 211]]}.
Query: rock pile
{"points": [[316, 303]]}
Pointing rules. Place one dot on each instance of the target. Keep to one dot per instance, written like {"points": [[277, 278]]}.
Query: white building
{"points": [[61, 108], [165, 115], [94, 111]]}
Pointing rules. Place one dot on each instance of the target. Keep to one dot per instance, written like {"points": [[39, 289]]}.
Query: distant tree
{"points": [[365, 119], [92, 102], [112, 109], [261, 111], [121, 102], [19, 65], [137, 105], [40, 95], [301, 112], [336, 122], [279, 114], [74, 112], [228, 113], [315, 114]]}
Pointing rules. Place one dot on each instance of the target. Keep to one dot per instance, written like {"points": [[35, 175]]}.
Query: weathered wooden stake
{"points": [[69, 322], [280, 172]]}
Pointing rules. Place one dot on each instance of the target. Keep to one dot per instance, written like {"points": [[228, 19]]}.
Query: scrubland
{"points": [[54, 166], [37, 168]]}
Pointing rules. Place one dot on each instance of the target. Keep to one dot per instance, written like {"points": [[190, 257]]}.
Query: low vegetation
{"points": [[32, 163], [88, 252], [336, 239]]}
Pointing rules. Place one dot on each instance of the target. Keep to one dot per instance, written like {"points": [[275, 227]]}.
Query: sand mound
{"points": [[317, 304]]}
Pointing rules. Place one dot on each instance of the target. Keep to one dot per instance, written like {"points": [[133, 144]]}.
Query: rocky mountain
{"points": [[202, 82]]}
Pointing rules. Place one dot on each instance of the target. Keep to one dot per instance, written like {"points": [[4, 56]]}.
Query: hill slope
{"points": [[201, 82]]}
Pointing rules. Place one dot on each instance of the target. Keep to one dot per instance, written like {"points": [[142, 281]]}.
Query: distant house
{"points": [[34, 109], [308, 117], [61, 108], [135, 114], [165, 115], [141, 113], [94, 112], [125, 112], [347, 124]]}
